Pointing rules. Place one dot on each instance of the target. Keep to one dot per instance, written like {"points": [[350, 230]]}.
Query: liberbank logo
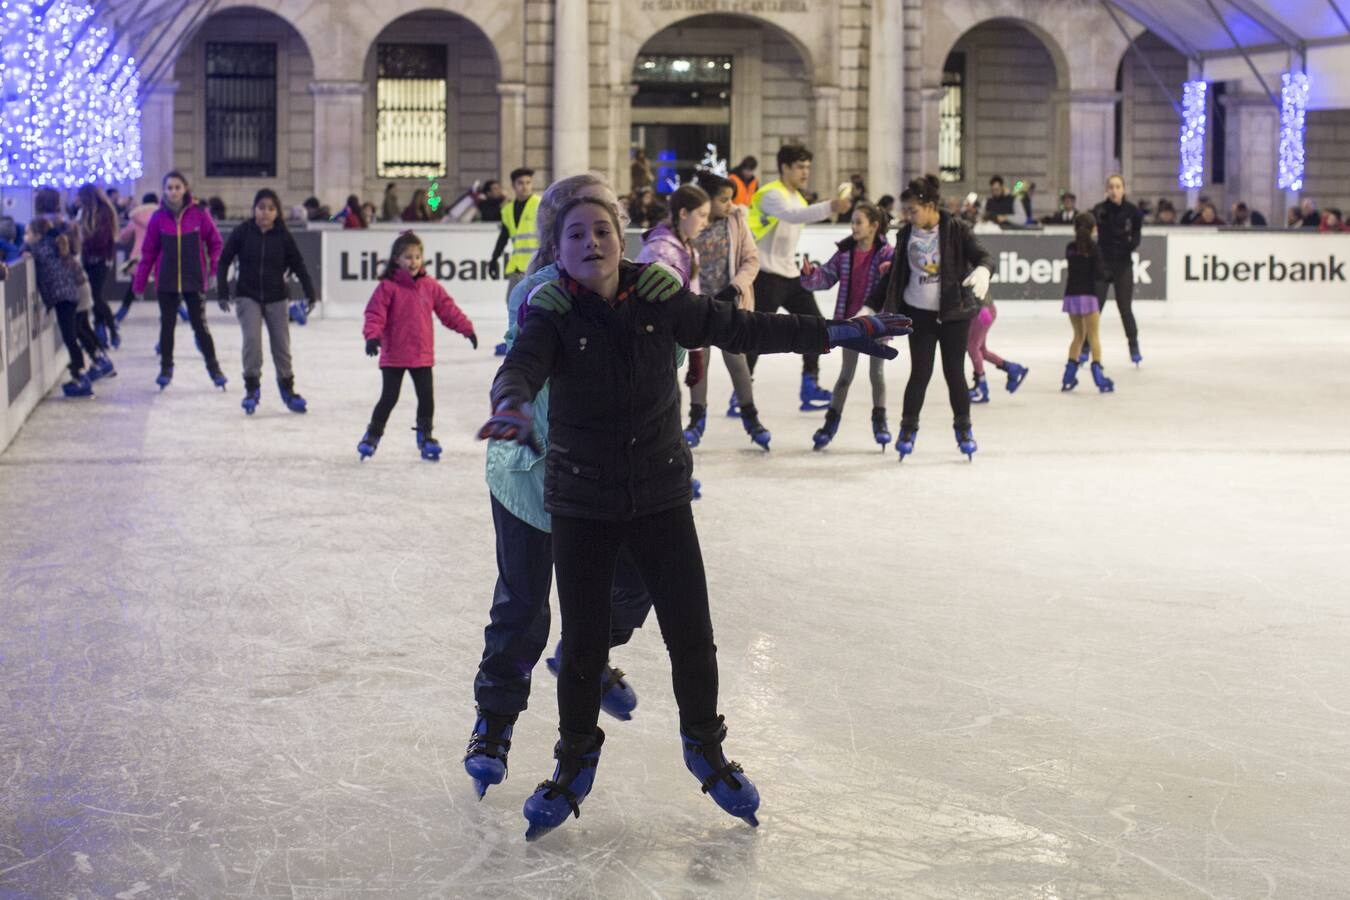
{"points": [[1014, 268], [1213, 268], [367, 265]]}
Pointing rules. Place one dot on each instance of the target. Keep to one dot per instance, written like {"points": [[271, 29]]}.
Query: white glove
{"points": [[978, 282]]}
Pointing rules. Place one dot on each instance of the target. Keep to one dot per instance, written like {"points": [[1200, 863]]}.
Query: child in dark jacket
{"points": [[857, 267], [1086, 271], [399, 328], [57, 287], [265, 250], [181, 248]]}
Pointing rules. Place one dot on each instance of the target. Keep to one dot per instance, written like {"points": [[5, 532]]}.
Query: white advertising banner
{"points": [[1291, 269]]}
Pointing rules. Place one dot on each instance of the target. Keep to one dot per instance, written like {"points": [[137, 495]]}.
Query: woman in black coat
{"points": [[617, 475], [265, 250], [939, 277]]}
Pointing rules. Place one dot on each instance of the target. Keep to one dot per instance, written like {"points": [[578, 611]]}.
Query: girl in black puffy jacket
{"points": [[265, 250]]}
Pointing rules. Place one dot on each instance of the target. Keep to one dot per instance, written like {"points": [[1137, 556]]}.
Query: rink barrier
{"points": [[1183, 270], [32, 357]]}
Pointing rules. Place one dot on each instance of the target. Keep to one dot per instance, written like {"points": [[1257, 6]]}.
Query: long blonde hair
{"points": [[558, 195]]}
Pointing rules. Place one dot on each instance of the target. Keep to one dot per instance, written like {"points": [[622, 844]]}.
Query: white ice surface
{"points": [[1106, 659]]}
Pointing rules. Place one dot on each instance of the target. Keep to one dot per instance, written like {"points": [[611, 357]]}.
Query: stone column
{"points": [[571, 89], [930, 120], [1254, 156], [620, 135], [1086, 150], [156, 136], [339, 151], [886, 99], [825, 140], [511, 125]]}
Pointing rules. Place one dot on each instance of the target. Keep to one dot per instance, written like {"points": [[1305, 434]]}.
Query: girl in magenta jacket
{"points": [[857, 267], [181, 248], [399, 328]]}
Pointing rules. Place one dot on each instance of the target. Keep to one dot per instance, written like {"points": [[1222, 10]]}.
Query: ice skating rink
{"points": [[1108, 658]]}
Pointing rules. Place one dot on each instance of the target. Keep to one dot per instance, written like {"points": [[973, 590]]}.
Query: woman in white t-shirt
{"points": [[939, 278]]}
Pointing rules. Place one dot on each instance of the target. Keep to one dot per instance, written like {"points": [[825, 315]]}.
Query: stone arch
{"points": [[473, 123], [181, 130], [640, 26], [499, 23]]}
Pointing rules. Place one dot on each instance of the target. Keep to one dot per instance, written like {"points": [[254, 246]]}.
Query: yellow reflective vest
{"points": [[760, 223], [524, 234]]}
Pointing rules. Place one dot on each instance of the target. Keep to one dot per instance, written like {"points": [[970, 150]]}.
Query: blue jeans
{"points": [[517, 630]]}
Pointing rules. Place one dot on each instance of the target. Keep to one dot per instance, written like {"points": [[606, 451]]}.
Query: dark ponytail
{"points": [[1083, 223], [926, 191]]}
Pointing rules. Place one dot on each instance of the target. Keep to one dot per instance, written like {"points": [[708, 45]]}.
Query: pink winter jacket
{"points": [[137, 224], [399, 314]]}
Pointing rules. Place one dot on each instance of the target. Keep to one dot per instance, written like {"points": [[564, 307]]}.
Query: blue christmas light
{"points": [[1293, 120], [1194, 97], [70, 113]]}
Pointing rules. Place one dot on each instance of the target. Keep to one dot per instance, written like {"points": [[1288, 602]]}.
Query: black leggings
{"points": [[66, 318], [168, 320], [923, 344], [97, 272], [774, 292], [393, 383], [84, 332], [665, 551], [1123, 281]]}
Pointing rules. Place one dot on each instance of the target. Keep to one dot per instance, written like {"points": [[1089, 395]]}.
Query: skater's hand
{"points": [[728, 294], [696, 369], [372, 346], [473, 340], [841, 205], [512, 421], [864, 334], [494, 269], [978, 282], [224, 304], [807, 267], [310, 303], [551, 297], [658, 284], [884, 267]]}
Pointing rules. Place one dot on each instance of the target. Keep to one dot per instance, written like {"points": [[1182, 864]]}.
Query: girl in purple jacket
{"points": [[181, 248], [399, 328], [857, 266]]}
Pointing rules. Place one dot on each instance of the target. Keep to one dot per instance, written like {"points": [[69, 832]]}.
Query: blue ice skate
{"points": [[722, 780], [217, 377], [428, 446], [980, 392], [880, 430], [758, 433], [252, 394], [1104, 385], [1070, 375], [616, 696], [165, 376], [81, 386], [812, 395], [698, 420], [368, 444], [549, 805], [825, 433], [298, 313], [485, 759], [1016, 375], [904, 444], [965, 441], [1135, 356], [294, 402], [733, 407]]}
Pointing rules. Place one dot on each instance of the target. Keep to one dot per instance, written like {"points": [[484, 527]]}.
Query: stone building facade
{"points": [[1052, 93]]}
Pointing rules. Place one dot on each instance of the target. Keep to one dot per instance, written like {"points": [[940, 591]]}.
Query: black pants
{"points": [[168, 319], [928, 334], [65, 321], [517, 630], [774, 292], [1123, 281], [84, 333], [393, 383], [665, 550], [97, 272]]}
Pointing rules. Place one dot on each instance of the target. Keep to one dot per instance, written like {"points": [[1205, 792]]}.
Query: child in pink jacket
{"points": [[399, 328]]}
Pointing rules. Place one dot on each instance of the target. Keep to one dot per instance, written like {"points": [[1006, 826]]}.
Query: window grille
{"points": [[410, 110], [951, 120], [241, 110]]}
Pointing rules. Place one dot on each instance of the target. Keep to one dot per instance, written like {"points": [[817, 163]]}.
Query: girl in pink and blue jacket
{"points": [[399, 328], [856, 267]]}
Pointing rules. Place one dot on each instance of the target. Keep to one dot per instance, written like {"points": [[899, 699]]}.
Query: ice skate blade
{"points": [[814, 405], [480, 788], [750, 820], [535, 832]]}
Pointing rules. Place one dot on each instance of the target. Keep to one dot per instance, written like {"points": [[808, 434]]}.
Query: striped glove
{"points": [[864, 334]]}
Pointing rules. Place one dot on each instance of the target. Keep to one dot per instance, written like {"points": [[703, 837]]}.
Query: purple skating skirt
{"points": [[1081, 305]]}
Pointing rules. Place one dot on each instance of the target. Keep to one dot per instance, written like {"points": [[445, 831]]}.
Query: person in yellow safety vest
{"points": [[744, 182], [518, 227], [777, 213]]}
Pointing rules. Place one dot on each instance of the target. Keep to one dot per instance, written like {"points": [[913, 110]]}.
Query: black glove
{"points": [[728, 294], [513, 420], [473, 340], [223, 303], [494, 270], [310, 303], [372, 346]]}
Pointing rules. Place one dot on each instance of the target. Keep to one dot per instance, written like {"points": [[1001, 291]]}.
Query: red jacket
{"points": [[399, 314]]}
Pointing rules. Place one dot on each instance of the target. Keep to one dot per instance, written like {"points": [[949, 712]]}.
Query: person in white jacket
{"points": [[777, 213]]}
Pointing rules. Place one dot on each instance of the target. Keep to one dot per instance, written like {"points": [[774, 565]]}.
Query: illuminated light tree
{"points": [[70, 98]]}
